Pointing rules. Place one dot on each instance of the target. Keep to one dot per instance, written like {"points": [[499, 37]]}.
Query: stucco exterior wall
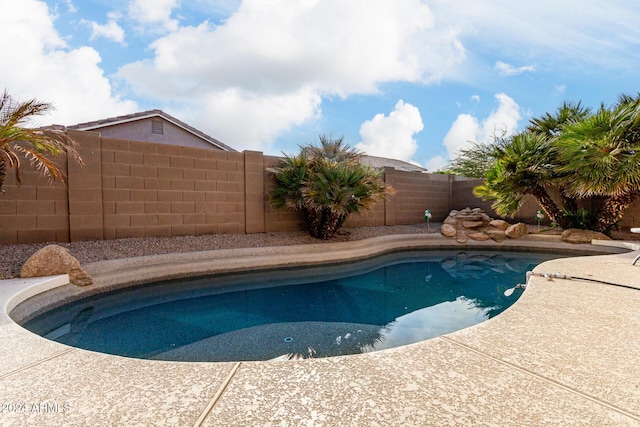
{"points": [[140, 130]]}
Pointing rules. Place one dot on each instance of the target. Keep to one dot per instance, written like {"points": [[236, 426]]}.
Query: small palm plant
{"points": [[327, 183], [35, 145]]}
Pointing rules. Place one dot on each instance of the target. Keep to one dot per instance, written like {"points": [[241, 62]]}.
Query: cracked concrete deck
{"points": [[564, 354]]}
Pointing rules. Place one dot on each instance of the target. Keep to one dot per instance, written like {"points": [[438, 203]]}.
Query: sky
{"points": [[414, 80]]}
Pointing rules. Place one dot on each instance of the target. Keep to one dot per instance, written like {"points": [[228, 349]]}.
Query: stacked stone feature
{"points": [[475, 224]]}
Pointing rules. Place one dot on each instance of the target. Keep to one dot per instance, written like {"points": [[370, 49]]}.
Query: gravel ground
{"points": [[14, 256]]}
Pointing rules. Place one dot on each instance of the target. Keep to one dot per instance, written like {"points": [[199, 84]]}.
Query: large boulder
{"points": [[575, 235], [497, 235], [478, 235], [516, 231], [448, 230], [52, 260], [451, 220], [500, 224]]}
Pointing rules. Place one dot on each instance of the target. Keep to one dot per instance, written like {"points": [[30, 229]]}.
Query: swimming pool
{"points": [[382, 302]]}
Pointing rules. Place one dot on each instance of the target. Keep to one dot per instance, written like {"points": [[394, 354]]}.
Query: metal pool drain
{"points": [[288, 339]]}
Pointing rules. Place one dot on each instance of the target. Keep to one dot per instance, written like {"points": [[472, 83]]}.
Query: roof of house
{"points": [[112, 121], [382, 162]]}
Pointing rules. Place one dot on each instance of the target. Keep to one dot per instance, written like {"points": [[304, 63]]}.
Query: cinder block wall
{"points": [[142, 189], [159, 190], [632, 216], [417, 192], [85, 191], [462, 195], [33, 211], [254, 178]]}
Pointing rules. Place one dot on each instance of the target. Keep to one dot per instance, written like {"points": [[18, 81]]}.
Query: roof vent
{"points": [[157, 127]]}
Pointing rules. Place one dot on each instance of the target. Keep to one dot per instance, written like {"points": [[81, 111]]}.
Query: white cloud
{"points": [[505, 69], [70, 7], [475, 98], [467, 128], [436, 163], [311, 49], [110, 31], [560, 89], [392, 136], [589, 31], [502, 121], [154, 13], [261, 117], [50, 71], [266, 48]]}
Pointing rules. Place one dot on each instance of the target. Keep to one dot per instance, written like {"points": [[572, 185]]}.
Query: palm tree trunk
{"points": [[334, 222], [313, 222], [613, 209], [3, 173], [549, 206], [329, 224]]}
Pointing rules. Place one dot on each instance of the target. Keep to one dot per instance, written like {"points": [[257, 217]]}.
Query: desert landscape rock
{"points": [[448, 230], [500, 224], [478, 235], [575, 235], [516, 231], [472, 224], [79, 277], [475, 224], [498, 235], [52, 260]]}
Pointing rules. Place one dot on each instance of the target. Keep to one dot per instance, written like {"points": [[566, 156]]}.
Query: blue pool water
{"points": [[379, 303]]}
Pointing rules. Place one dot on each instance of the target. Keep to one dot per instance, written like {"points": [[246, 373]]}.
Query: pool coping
{"points": [[421, 384]]}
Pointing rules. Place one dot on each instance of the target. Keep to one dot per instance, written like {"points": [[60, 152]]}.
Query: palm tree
{"points": [[35, 145], [581, 153], [327, 184], [522, 166], [333, 149], [550, 126], [335, 190], [602, 156]]}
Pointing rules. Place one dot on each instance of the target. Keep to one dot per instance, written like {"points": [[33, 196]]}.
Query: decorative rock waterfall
{"points": [[475, 224]]}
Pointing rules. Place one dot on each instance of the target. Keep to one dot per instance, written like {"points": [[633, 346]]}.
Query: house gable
{"points": [[152, 126]]}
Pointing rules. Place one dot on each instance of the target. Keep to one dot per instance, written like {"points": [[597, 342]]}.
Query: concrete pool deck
{"points": [[566, 353]]}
